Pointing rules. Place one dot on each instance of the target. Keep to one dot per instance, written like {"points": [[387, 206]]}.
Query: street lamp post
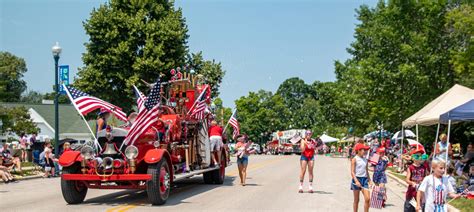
{"points": [[56, 52]]}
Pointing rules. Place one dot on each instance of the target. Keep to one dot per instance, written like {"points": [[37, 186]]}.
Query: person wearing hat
{"points": [[308, 146], [360, 176], [415, 174], [101, 122], [379, 177]]}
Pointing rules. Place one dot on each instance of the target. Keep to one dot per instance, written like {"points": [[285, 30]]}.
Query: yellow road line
{"points": [[127, 208], [254, 166]]}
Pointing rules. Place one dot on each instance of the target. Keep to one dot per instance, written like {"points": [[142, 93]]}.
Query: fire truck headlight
{"points": [[87, 152], [131, 152], [156, 144]]}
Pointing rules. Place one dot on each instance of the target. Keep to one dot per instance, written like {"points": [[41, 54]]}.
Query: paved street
{"points": [[272, 186]]}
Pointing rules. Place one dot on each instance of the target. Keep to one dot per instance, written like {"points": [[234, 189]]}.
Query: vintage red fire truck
{"points": [[174, 149]]}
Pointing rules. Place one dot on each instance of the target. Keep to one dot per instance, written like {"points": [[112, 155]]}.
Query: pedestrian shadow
{"points": [[322, 192], [251, 184]]}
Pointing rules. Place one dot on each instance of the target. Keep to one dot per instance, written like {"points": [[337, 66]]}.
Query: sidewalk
{"points": [[36, 173]]}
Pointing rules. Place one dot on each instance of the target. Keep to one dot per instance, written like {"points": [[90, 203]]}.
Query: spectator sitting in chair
{"points": [[4, 172]]}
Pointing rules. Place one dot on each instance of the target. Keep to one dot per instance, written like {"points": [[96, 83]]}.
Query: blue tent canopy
{"points": [[464, 112]]}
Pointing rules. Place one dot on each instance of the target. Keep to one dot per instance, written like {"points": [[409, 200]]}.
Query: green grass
{"points": [[394, 172], [26, 164], [463, 204]]}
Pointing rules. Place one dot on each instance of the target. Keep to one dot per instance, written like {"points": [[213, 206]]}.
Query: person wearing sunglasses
{"points": [[415, 174]]}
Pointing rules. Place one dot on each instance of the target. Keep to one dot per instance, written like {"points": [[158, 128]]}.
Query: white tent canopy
{"points": [[327, 139], [429, 115]]}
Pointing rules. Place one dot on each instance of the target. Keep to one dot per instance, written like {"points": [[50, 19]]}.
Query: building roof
{"points": [[69, 119]]}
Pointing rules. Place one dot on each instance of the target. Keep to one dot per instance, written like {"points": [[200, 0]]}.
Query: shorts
{"points": [[364, 182], [216, 142], [303, 157], [243, 161]]}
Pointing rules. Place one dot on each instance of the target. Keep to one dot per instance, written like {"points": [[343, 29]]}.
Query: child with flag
{"points": [[434, 189], [415, 174]]}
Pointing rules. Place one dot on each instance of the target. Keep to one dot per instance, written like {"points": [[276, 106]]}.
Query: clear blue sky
{"points": [[259, 43]]}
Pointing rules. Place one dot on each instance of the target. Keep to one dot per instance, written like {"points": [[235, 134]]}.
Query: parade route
{"points": [[271, 185]]}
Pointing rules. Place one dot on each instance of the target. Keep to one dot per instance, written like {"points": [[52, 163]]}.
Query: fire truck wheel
{"points": [[73, 191], [207, 176], [158, 188], [219, 174]]}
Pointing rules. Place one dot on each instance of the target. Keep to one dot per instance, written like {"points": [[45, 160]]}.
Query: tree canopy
{"points": [[18, 120], [12, 69], [133, 40], [405, 54]]}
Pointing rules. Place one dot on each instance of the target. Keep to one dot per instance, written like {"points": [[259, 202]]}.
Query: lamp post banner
{"points": [[63, 77]]}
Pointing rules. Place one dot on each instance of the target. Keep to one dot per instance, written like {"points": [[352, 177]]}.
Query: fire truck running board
{"points": [[182, 176]]}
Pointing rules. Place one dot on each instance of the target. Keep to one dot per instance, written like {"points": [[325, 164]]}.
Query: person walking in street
{"points": [[434, 189], [379, 177], [308, 146], [360, 176], [415, 174], [243, 151], [215, 137]]}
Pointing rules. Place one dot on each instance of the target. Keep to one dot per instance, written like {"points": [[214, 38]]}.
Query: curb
{"points": [[26, 178]]}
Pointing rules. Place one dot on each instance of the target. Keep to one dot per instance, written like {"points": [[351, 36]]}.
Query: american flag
{"points": [[199, 110], [377, 197], [148, 116], [235, 124], [85, 103], [140, 98]]}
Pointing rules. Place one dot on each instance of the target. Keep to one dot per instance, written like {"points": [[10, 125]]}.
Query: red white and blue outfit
{"points": [[308, 153]]}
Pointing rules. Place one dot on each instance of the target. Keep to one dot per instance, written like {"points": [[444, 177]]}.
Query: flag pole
{"points": [[196, 100], [82, 116], [235, 110]]}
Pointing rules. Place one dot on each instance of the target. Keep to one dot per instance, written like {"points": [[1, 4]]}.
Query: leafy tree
{"points": [[460, 28], [128, 41], [295, 93], [62, 99], [261, 113], [32, 97], [222, 113], [12, 69], [211, 71], [18, 120]]}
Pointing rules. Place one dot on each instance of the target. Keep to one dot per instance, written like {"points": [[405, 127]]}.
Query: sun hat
{"points": [[419, 149], [360, 146], [308, 132]]}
